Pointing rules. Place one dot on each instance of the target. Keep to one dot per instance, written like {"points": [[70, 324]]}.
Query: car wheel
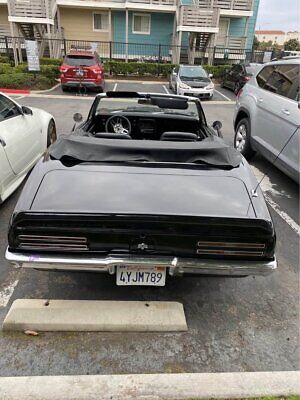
{"points": [[64, 88], [222, 84], [51, 133], [237, 88], [242, 139]]}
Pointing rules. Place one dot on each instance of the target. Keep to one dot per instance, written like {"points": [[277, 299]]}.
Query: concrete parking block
{"points": [[152, 386], [89, 315]]}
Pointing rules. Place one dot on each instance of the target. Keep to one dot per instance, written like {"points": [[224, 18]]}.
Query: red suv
{"points": [[82, 69]]}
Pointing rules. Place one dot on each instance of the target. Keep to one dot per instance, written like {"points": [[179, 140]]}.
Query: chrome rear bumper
{"points": [[176, 266]]}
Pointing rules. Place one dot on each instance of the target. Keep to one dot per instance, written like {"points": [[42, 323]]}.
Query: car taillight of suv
{"points": [[82, 69]]}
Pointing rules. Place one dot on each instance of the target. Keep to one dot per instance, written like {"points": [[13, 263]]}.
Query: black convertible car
{"points": [[141, 189]]}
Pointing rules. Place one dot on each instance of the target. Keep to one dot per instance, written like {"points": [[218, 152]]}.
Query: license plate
{"points": [[141, 276]]}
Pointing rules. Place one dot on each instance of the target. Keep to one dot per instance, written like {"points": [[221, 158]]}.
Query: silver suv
{"points": [[267, 116]]}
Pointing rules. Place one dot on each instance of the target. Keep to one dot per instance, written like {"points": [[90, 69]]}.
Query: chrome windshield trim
{"points": [[176, 266]]}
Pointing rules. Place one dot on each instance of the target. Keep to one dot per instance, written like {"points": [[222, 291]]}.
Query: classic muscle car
{"points": [[143, 188]]}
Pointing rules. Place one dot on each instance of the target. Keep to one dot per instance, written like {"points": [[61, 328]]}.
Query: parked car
{"points": [[237, 76], [82, 69], [141, 189], [267, 116], [192, 80], [25, 133]]}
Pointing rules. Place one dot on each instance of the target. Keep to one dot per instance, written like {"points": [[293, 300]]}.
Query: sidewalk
{"points": [[152, 386]]}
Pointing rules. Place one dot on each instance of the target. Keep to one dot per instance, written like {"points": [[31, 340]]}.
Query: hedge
{"points": [[51, 61], [4, 59], [5, 68], [25, 81], [137, 68], [50, 71]]}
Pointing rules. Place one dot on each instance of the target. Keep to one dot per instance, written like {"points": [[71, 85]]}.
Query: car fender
{"points": [[44, 118]]}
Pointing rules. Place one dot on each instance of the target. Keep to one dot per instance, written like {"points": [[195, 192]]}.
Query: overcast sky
{"points": [[279, 14]]}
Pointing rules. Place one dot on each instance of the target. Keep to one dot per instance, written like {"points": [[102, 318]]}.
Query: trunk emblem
{"points": [[142, 246]]}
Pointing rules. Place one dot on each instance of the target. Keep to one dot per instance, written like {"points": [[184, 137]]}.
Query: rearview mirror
{"points": [[217, 126], [77, 117]]}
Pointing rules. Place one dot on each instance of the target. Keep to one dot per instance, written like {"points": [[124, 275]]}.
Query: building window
{"points": [[141, 24], [100, 22]]}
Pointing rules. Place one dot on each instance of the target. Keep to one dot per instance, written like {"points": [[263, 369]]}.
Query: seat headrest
{"points": [[109, 135], [179, 137]]}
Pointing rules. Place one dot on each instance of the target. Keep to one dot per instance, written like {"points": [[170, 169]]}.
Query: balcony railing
{"points": [[31, 8], [154, 2], [238, 5], [198, 19], [232, 42]]}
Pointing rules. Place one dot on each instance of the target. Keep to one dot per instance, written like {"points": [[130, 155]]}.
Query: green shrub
{"points": [[50, 71], [217, 70], [25, 81], [5, 68], [137, 68], [4, 59], [51, 61]]}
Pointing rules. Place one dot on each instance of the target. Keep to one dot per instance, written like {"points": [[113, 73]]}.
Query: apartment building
{"points": [[196, 25]]}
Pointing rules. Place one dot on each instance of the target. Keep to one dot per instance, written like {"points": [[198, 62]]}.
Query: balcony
{"points": [[31, 11], [231, 42], [229, 8], [195, 19]]}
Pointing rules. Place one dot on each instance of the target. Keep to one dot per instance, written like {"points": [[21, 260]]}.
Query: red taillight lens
{"points": [[63, 69]]}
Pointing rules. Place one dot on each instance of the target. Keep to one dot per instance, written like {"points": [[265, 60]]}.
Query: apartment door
{"points": [[223, 32]]}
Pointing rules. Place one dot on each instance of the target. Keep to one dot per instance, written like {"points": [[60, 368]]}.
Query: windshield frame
{"points": [[201, 116]]}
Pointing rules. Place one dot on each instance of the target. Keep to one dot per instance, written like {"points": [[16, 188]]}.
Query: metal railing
{"points": [[133, 52]]}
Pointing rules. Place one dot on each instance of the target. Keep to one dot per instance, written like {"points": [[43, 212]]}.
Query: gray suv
{"points": [[267, 116]]}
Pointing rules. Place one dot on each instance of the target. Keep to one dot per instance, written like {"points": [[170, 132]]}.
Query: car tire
{"points": [[51, 133], [64, 88], [222, 84], [242, 138], [237, 88]]}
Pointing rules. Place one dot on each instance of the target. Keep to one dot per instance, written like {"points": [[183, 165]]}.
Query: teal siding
{"points": [[252, 23], [237, 26], [161, 28]]}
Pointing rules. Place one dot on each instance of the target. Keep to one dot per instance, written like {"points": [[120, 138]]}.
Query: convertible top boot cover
{"points": [[211, 151]]}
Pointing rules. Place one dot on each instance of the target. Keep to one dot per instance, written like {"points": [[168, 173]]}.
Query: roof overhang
{"points": [[113, 5], [235, 13]]}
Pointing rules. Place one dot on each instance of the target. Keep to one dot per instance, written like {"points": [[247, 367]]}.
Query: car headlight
{"points": [[210, 86], [184, 86]]}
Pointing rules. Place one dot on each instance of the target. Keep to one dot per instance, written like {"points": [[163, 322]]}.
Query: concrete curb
{"points": [[95, 315], [151, 387]]}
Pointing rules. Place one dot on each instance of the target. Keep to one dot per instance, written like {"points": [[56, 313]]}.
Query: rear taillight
{"points": [[247, 78], [96, 70], [63, 69]]}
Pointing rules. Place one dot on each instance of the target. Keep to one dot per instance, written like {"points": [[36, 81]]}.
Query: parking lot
{"points": [[242, 324]]}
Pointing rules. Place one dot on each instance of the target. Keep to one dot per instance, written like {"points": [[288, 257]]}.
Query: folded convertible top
{"points": [[211, 151]]}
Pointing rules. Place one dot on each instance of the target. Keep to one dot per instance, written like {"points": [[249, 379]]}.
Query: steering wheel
{"points": [[118, 124]]}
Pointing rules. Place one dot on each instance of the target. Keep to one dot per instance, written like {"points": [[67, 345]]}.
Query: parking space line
{"points": [[223, 95], [165, 88], [115, 87], [7, 292], [283, 214]]}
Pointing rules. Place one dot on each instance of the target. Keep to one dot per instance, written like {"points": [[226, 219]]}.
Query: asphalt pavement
{"points": [[235, 324]]}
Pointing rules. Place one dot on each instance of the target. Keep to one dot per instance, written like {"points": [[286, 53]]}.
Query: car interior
{"points": [[152, 118]]}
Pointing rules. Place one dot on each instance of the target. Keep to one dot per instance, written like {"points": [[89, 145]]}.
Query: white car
{"points": [[192, 80], [25, 133]]}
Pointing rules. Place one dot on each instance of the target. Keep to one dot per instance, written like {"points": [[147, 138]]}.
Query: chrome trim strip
{"points": [[176, 266], [229, 244]]}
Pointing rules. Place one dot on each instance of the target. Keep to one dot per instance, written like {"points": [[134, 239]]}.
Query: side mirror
{"points": [[210, 75], [77, 117], [217, 126], [26, 110]]}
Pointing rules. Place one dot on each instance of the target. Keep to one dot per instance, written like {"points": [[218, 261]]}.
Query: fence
{"points": [[14, 48]]}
